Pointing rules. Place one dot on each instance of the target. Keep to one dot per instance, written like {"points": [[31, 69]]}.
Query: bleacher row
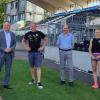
{"points": [[64, 14], [83, 46]]}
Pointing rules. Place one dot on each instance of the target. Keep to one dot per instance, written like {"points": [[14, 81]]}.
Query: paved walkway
{"points": [[20, 54], [1, 98], [79, 74]]}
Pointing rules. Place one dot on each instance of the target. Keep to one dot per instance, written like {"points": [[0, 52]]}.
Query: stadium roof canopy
{"points": [[54, 5]]}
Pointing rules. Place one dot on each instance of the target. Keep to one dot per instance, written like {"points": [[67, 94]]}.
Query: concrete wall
{"points": [[81, 60]]}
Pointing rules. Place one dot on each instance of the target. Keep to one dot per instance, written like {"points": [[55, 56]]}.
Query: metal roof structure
{"points": [[54, 5]]}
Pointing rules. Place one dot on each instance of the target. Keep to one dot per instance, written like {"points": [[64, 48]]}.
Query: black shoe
{"points": [[71, 84], [39, 85], [32, 82], [6, 87], [62, 82]]}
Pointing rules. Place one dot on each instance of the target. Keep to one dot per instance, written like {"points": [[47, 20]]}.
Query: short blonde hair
{"points": [[33, 23]]}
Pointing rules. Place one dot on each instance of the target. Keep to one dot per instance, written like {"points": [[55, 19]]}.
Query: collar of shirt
{"points": [[7, 32], [68, 34]]}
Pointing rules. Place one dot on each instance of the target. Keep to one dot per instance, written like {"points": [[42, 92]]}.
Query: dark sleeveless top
{"points": [[96, 45]]}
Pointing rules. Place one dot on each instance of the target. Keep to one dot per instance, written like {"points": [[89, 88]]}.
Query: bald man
{"points": [[34, 48], [7, 49], [65, 43]]}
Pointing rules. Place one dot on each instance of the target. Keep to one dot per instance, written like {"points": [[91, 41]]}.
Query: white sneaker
{"points": [[39, 85], [32, 82]]}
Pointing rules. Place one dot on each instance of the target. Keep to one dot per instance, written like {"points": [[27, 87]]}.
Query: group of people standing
{"points": [[32, 43]]}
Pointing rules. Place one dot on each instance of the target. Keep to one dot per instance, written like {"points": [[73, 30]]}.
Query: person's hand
{"points": [[98, 57], [28, 48], [40, 49], [8, 50], [93, 57]]}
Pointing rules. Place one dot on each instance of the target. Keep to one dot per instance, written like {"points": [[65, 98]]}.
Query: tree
{"points": [[2, 10]]}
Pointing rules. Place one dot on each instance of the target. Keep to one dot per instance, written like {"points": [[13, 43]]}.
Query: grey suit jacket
{"points": [[3, 44]]}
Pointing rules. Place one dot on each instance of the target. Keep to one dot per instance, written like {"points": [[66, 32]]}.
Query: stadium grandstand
{"points": [[81, 16]]}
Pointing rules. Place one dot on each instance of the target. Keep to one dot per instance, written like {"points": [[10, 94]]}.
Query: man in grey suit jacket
{"points": [[7, 49]]}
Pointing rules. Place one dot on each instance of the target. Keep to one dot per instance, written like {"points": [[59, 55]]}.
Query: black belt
{"points": [[7, 52], [65, 50]]}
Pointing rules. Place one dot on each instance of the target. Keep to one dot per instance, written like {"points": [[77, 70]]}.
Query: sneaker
{"points": [[32, 82], [39, 85], [62, 82], [95, 86], [71, 84]]}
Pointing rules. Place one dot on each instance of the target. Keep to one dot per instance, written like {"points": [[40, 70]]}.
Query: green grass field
{"points": [[52, 90]]}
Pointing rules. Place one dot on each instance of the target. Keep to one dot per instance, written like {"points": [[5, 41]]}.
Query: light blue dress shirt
{"points": [[65, 41], [8, 39]]}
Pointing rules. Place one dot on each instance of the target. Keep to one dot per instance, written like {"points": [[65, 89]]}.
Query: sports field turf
{"points": [[52, 90]]}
